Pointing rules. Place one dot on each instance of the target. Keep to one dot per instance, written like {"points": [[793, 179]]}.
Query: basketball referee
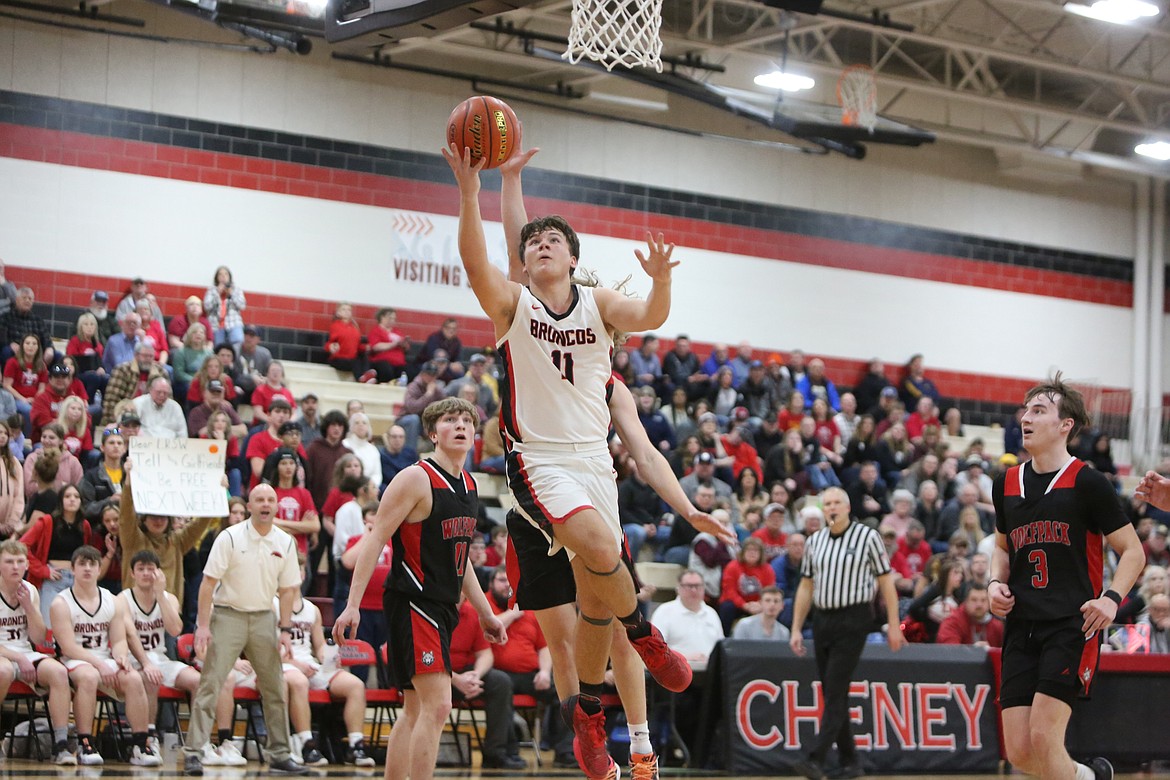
{"points": [[843, 564]]}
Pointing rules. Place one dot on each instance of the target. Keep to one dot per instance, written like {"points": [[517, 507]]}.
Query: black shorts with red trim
{"points": [[540, 580], [1052, 657], [419, 634]]}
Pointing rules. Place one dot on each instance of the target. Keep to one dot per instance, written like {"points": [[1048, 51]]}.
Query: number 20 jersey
{"points": [[1055, 525], [558, 373]]}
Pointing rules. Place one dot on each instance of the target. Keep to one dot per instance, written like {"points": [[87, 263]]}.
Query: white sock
{"points": [[355, 737], [640, 738], [304, 736], [1084, 773]]}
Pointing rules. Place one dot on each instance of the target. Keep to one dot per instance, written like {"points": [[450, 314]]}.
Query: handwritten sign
{"points": [[178, 477]]}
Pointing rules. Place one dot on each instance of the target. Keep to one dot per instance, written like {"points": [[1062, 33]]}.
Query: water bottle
{"points": [[402, 379]]}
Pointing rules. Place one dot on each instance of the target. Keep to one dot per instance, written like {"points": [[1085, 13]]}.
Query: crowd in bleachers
{"points": [[752, 439]]}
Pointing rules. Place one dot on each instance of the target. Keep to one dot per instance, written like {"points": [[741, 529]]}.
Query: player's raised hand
{"points": [[1155, 489], [657, 263], [466, 173], [517, 161], [160, 583], [704, 523]]}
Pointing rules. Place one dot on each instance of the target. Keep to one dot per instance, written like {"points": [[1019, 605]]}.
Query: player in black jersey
{"points": [[1053, 515], [430, 510]]}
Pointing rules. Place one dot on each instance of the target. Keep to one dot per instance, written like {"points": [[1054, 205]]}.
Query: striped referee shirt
{"points": [[844, 569]]}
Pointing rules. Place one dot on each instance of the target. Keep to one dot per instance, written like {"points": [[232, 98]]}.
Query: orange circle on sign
{"points": [[214, 448]]}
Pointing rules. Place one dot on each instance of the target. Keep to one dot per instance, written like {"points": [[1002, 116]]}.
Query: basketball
{"points": [[487, 126]]}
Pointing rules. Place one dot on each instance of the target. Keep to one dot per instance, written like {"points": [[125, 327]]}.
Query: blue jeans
{"points": [[680, 555], [821, 478], [50, 589], [25, 409], [635, 538], [233, 336]]}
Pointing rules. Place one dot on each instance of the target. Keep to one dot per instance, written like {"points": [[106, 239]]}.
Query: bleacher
{"points": [[335, 389]]}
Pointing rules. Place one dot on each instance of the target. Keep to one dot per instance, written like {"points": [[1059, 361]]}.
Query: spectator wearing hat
{"points": [[129, 380], [658, 430], [424, 389], [771, 534], [251, 365], [445, 340], [224, 303], [192, 314], [886, 402], [46, 405], [387, 347], [677, 548], [161, 415], [345, 346], [975, 473], [264, 442], [129, 303], [107, 323], [306, 418], [476, 376], [681, 368], [703, 474], [213, 401], [647, 367], [129, 423]]}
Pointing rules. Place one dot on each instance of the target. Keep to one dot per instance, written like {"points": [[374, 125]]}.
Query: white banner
{"points": [[178, 477]]}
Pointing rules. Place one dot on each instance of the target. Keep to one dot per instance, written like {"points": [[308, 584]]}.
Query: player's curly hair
{"points": [[434, 412], [1070, 404]]}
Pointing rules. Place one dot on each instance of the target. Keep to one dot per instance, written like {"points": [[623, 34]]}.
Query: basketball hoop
{"points": [[857, 94], [616, 32]]}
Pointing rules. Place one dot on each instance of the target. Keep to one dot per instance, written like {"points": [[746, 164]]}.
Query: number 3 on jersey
{"points": [[1039, 559], [564, 364]]}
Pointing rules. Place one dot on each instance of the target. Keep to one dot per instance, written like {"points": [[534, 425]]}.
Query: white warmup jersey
{"points": [[302, 621], [148, 624], [14, 622], [92, 629], [558, 373]]}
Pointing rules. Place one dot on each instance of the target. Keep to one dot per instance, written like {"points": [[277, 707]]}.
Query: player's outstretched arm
{"points": [[512, 211], [407, 497], [654, 468], [496, 295], [633, 314]]}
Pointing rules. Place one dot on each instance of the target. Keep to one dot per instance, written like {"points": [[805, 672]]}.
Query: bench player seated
{"points": [[151, 614], [89, 625], [21, 629], [308, 669]]}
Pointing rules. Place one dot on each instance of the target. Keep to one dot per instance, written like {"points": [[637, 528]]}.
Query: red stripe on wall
{"points": [[146, 159]]}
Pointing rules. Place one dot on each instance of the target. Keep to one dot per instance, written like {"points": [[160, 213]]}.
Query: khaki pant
{"points": [[253, 633]]}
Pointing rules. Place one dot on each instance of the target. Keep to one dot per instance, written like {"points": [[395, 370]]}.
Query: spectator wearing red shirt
{"points": [[78, 441], [295, 512], [273, 388], [25, 376], [264, 443], [46, 405], [153, 330], [771, 534], [192, 314], [474, 679], [911, 557], [86, 349], [387, 347], [792, 413], [744, 454], [973, 623], [497, 550], [213, 370], [743, 579], [525, 658], [925, 413], [344, 348]]}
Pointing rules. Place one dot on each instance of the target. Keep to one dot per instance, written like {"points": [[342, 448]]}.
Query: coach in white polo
{"points": [[250, 564]]}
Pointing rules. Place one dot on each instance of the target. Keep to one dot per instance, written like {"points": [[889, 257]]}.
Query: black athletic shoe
{"points": [[357, 755], [1102, 769], [286, 766], [192, 766], [809, 768], [847, 771], [512, 763]]}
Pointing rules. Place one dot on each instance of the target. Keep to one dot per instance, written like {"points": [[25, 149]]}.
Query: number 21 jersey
{"points": [[558, 373]]}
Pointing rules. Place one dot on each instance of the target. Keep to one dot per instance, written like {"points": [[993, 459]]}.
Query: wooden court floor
{"points": [[16, 769]]}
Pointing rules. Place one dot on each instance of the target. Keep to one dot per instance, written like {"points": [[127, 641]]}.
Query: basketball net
{"points": [[857, 94], [616, 32]]}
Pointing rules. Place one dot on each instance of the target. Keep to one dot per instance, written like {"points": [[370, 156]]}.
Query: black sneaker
{"points": [[311, 755], [1102, 769], [513, 763], [285, 766], [847, 771], [809, 768], [357, 755], [192, 766]]}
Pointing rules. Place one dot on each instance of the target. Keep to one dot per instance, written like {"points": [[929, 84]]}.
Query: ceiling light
{"points": [[789, 82], [1157, 150], [1116, 11]]}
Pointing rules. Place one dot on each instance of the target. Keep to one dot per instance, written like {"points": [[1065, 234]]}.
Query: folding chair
{"points": [[33, 704], [384, 699]]}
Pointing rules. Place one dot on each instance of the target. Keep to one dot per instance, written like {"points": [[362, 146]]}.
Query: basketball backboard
{"points": [[384, 21]]}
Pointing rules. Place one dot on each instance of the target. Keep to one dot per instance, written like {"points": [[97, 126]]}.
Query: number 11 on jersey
{"points": [[564, 364]]}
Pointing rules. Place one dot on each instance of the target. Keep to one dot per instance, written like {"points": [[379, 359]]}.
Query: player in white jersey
{"points": [[314, 666], [89, 626], [22, 629], [562, 475]]}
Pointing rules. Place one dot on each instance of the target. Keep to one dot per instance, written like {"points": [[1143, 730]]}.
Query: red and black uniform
{"points": [[426, 577], [1055, 524]]}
